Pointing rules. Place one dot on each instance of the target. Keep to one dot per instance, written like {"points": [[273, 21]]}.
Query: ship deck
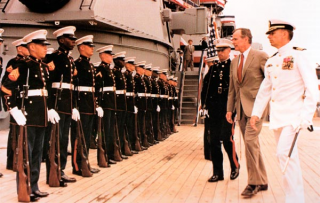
{"points": [[175, 171]]}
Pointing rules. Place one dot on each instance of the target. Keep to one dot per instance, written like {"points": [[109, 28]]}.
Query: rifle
{"points": [[127, 150], [116, 142], [159, 137], [101, 154], [82, 150], [24, 188], [54, 149], [137, 145], [14, 146]]}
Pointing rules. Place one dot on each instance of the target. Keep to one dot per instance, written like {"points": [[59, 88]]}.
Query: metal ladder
{"points": [[86, 5], [3, 5]]}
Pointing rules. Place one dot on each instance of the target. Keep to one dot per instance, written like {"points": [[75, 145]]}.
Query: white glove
{"points": [[135, 110], [99, 112], [172, 108], [158, 108], [53, 116], [206, 113], [201, 112], [18, 116], [134, 73], [300, 124], [75, 114], [123, 70], [111, 66]]}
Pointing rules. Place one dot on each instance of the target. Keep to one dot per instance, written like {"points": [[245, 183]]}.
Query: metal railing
{"points": [[87, 5], [5, 3]]}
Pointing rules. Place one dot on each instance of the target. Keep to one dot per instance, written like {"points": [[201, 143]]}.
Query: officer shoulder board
{"points": [[299, 49], [274, 54]]}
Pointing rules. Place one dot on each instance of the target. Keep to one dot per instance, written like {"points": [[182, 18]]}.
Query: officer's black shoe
{"points": [[234, 173], [94, 170], [110, 161], [34, 198], [63, 183], [1, 175], [79, 173], [156, 142], [67, 179], [38, 193], [134, 152], [150, 144], [124, 156], [264, 187], [144, 148], [215, 178]]}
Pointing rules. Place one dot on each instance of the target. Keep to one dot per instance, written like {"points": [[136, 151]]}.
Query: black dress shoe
{"points": [[40, 194], [124, 156], [110, 161], [234, 173], [79, 173], [134, 152], [264, 187], [156, 142], [67, 179], [144, 148], [251, 190], [215, 178], [63, 183], [34, 198], [94, 170]]}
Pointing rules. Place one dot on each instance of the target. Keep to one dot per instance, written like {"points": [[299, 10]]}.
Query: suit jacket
{"points": [[188, 52], [244, 93]]}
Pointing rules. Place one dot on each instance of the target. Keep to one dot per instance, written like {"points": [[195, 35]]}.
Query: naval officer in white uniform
{"points": [[290, 85]]}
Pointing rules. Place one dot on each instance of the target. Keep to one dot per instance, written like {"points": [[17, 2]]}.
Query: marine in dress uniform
{"points": [[155, 95], [13, 63], [106, 85], [172, 104], [85, 95], [141, 102], [163, 103], [1, 62], [290, 87], [62, 70], [216, 96], [131, 121], [121, 107], [175, 101], [35, 73]]}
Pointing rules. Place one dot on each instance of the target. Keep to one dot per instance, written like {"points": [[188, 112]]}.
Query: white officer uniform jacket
{"points": [[291, 86]]}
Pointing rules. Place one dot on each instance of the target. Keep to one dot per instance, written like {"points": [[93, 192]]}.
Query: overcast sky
{"points": [[305, 15]]}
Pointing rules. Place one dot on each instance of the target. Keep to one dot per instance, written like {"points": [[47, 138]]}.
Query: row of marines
{"points": [[135, 103]]}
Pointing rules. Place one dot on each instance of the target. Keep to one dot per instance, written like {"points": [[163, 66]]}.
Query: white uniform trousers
{"points": [[292, 179]]}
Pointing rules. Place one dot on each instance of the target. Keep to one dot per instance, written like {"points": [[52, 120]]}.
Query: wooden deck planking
{"points": [[175, 171]]}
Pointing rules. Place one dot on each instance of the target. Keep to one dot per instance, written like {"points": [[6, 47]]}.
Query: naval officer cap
{"points": [[86, 40], [170, 77], [130, 60], [119, 56], [175, 79], [37, 37], [106, 50], [66, 32], [155, 69], [141, 64], [164, 71], [148, 66], [1, 31], [18, 43], [275, 24], [221, 44]]}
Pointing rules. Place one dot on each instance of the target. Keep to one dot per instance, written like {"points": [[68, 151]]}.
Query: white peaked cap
{"points": [[39, 36], [18, 42], [96, 64], [69, 30], [141, 63], [87, 40], [222, 43], [156, 69], [175, 79], [170, 77], [148, 66], [275, 24], [120, 55], [106, 49], [130, 59]]}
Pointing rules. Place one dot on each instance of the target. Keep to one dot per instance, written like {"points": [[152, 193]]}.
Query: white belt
{"points": [[86, 89], [129, 93], [106, 89], [148, 94], [120, 91], [164, 96], [175, 97], [154, 95], [63, 85], [38, 92], [141, 94], [170, 98]]}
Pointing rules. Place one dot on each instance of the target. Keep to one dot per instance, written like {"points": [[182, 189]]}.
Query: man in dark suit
{"points": [[188, 56], [246, 75]]}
